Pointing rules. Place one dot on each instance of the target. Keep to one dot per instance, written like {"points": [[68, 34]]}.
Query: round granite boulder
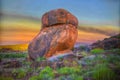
{"points": [[58, 34], [58, 16]]}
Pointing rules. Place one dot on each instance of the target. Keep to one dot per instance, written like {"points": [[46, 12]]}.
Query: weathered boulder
{"points": [[58, 16], [55, 36]]}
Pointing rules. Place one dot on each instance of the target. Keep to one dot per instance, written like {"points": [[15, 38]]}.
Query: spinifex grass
{"points": [[102, 72], [45, 74], [97, 51], [13, 55]]}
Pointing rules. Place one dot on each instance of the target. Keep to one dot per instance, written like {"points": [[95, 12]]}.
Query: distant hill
{"points": [[19, 47], [108, 43]]}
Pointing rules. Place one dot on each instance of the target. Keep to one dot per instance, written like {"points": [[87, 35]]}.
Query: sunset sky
{"points": [[20, 19]]}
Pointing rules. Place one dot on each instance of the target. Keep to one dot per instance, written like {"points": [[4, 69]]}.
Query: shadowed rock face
{"points": [[108, 43], [56, 35]]}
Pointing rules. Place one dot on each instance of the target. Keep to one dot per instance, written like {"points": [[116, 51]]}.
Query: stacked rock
{"points": [[58, 34]]}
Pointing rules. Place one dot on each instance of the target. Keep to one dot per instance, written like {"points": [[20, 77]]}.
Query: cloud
{"points": [[18, 16], [109, 31]]}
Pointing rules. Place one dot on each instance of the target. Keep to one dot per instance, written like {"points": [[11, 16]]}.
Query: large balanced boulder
{"points": [[58, 34]]}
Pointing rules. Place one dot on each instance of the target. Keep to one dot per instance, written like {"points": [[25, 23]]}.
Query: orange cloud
{"points": [[89, 37], [102, 29]]}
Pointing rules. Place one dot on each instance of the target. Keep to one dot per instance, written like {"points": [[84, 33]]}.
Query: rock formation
{"points": [[57, 17], [108, 43], [58, 34]]}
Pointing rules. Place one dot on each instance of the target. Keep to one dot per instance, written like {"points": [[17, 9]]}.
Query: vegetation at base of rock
{"points": [[94, 68], [40, 59], [20, 73], [113, 58], [102, 72], [97, 51], [115, 51], [76, 77], [13, 55], [98, 64], [83, 53], [6, 78], [45, 74], [69, 70], [34, 78]]}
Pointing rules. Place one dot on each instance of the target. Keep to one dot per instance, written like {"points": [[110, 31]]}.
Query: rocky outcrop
{"points": [[108, 43], [58, 34], [57, 17]]}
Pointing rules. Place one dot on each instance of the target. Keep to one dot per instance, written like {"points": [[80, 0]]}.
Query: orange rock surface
{"points": [[55, 36], [58, 16]]}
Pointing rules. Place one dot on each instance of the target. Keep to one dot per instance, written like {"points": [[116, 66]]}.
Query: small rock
{"points": [[61, 56]]}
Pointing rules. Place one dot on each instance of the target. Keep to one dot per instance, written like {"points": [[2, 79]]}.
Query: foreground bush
{"points": [[76, 77], [21, 73], [102, 72], [97, 51], [45, 74], [69, 70], [6, 78]]}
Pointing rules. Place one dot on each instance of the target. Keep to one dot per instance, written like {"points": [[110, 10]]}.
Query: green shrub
{"points": [[62, 78], [102, 72], [27, 62], [40, 59], [83, 53], [97, 51], [5, 78], [20, 73], [117, 66], [13, 55], [34, 78], [76, 77], [112, 58], [114, 51], [69, 70], [46, 74], [27, 65]]}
